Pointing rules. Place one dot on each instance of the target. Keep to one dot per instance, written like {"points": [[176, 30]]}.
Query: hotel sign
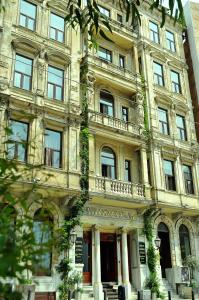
{"points": [[79, 250], [142, 253]]}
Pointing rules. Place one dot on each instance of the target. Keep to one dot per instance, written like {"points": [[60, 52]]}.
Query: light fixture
{"points": [[157, 242], [73, 236], [119, 238]]}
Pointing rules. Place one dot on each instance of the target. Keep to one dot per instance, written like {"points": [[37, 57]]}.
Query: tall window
{"points": [[53, 148], [55, 83], [125, 114], [121, 61], [163, 121], [42, 228], [27, 15], [188, 179], [184, 241], [119, 18], [175, 81], [169, 175], [104, 11], [108, 163], [170, 40], [181, 127], [106, 103], [127, 173], [105, 54], [23, 72], [154, 32], [18, 140], [57, 28], [158, 74]]}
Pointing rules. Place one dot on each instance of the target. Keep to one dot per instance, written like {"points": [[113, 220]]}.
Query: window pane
{"points": [[104, 11], [162, 115], [56, 159], [17, 79], [153, 26], [52, 33], [19, 131], [22, 21], [57, 22], [168, 167], [26, 83], [179, 121], [60, 36], [58, 94], [157, 68], [52, 139], [31, 24], [55, 75], [28, 9], [50, 90], [23, 65]]}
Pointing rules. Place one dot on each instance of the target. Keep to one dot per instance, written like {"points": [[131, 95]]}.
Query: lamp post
{"points": [[157, 242], [73, 237]]}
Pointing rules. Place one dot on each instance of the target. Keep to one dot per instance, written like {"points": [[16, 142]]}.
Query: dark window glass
{"points": [[53, 148], [170, 40], [181, 127], [140, 64], [149, 170], [55, 83], [175, 81], [121, 61], [127, 173], [18, 140], [163, 121], [154, 32], [42, 229], [158, 74], [57, 28], [23, 72], [184, 242], [108, 163], [27, 15], [106, 103], [119, 18], [169, 175], [125, 114], [188, 179], [105, 54], [104, 11]]}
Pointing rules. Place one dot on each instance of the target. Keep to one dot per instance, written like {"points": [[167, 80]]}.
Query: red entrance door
{"points": [[45, 296], [87, 257]]}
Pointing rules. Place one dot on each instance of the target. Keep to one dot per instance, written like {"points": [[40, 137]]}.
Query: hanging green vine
{"points": [[68, 278], [152, 257], [146, 116]]}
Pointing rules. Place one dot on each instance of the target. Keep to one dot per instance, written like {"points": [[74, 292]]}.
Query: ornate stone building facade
{"points": [[130, 171]]}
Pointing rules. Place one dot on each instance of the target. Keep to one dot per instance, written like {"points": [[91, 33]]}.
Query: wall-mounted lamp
{"points": [[157, 242]]}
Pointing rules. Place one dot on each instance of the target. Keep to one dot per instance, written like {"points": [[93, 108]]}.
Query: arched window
{"points": [[184, 241], [42, 228], [106, 103], [108, 163]]}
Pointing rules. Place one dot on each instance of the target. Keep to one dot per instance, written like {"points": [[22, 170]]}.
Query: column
{"points": [[119, 271], [125, 265], [98, 289], [136, 65]]}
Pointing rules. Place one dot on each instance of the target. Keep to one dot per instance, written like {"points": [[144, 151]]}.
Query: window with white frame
{"points": [[154, 32], [158, 73], [57, 25], [170, 41], [27, 15], [175, 82]]}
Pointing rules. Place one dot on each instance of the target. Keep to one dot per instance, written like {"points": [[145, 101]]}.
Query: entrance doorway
{"points": [[108, 257], [165, 250], [45, 296], [87, 257]]}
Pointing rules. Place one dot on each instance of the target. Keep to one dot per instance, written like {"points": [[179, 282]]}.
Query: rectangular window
{"points": [[181, 127], [125, 114], [158, 74], [169, 175], [127, 173], [55, 83], [119, 18], [23, 72], [27, 15], [105, 54], [163, 121], [121, 61], [188, 179], [175, 81], [57, 28], [106, 107], [53, 148], [18, 141], [154, 32], [170, 40], [104, 11]]}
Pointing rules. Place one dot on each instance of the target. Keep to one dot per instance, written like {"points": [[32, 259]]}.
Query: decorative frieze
{"points": [[109, 213]]}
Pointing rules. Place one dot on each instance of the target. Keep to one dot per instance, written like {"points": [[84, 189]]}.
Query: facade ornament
{"points": [[4, 84], [90, 84], [109, 213], [140, 109], [41, 63]]}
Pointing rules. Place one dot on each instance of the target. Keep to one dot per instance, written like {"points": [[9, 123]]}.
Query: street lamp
{"points": [[73, 236], [157, 242]]}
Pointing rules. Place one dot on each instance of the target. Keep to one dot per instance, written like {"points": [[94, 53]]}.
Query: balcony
{"points": [[115, 123], [117, 187], [105, 70]]}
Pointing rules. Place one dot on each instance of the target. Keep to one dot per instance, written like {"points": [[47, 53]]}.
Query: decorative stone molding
{"points": [[26, 45], [58, 57], [109, 213]]}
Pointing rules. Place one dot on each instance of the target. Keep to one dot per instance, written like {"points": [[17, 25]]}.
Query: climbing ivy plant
{"points": [[152, 257]]}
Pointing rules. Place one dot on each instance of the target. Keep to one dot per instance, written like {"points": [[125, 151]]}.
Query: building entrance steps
{"points": [[112, 292]]}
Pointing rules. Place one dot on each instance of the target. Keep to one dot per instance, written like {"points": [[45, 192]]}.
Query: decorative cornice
{"points": [[109, 213]]}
